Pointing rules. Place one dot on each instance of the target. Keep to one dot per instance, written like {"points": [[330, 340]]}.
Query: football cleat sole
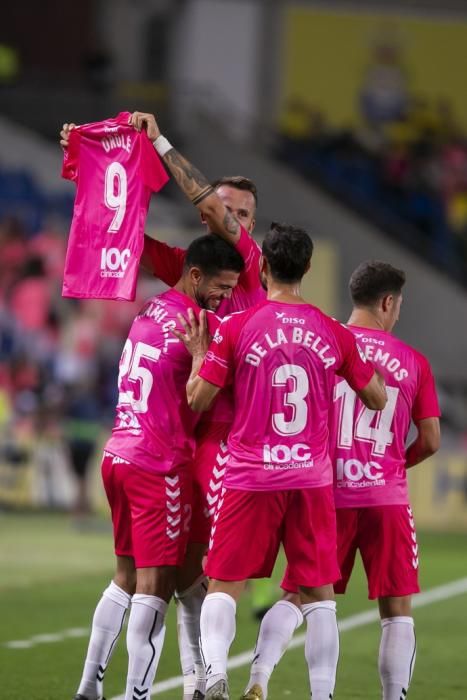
{"points": [[253, 693]]}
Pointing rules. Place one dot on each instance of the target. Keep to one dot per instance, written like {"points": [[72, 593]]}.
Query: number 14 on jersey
{"points": [[367, 426]]}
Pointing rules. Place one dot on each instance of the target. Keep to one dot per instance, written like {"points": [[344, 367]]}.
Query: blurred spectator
{"points": [[384, 94], [296, 123], [50, 245], [13, 246], [31, 296], [81, 430]]}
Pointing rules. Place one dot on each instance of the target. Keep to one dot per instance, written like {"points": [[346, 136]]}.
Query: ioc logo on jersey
{"points": [[114, 262], [282, 454], [354, 470]]}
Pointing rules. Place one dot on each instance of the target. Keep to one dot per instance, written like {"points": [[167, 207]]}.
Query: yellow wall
{"points": [[320, 284], [327, 53]]}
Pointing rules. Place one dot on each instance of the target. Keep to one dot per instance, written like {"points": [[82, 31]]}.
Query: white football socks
{"points": [[145, 639], [107, 624], [275, 633], [397, 653], [186, 659], [189, 603], [321, 647], [217, 634]]}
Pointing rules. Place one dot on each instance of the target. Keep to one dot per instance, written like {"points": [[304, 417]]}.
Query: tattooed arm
{"points": [[193, 184]]}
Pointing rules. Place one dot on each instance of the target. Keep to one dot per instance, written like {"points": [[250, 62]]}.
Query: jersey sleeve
{"points": [[217, 367], [152, 171], [70, 170], [251, 254], [213, 322], [426, 400], [166, 261], [355, 368]]}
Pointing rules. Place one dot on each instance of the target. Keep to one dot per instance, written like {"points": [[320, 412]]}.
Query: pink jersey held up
{"points": [[282, 360], [154, 425], [368, 447], [115, 168]]}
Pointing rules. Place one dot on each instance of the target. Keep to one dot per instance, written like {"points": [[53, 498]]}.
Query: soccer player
{"points": [[239, 197], [370, 460], [146, 470], [281, 357]]}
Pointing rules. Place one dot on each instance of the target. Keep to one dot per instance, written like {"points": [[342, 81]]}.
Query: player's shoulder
{"points": [[334, 325], [238, 319], [170, 302], [405, 348], [398, 347], [418, 357]]}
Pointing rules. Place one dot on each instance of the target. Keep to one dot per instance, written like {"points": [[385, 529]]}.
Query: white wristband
{"points": [[162, 145]]}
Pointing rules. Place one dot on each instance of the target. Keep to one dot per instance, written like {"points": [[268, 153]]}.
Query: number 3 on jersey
{"points": [[294, 399], [370, 426], [115, 193], [130, 367]]}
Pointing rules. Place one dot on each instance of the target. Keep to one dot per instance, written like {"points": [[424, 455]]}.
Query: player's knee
{"points": [[157, 581], [126, 580], [395, 606], [293, 598]]}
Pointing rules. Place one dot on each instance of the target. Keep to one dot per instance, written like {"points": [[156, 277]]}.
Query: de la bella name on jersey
{"points": [[295, 335]]}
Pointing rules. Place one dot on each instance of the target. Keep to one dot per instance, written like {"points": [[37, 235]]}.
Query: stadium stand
{"points": [[407, 175]]}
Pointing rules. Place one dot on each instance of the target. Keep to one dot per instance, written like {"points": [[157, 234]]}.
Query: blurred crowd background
{"points": [[359, 109]]}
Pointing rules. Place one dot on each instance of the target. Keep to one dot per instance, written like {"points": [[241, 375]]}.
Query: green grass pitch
{"points": [[51, 577]]}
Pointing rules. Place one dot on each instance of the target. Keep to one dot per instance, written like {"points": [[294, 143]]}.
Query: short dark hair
{"points": [[240, 183], [373, 280], [288, 251], [212, 255]]}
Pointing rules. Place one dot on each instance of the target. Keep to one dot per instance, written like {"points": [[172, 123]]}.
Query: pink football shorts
{"points": [[151, 512], [386, 538], [250, 526], [208, 474]]}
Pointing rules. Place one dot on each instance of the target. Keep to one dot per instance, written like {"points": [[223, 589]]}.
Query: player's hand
{"points": [[143, 120], [65, 134], [196, 337]]}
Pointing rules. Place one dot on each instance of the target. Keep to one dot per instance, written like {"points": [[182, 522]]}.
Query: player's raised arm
{"points": [[191, 181]]}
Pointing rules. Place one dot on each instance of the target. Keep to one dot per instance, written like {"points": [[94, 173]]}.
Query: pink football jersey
{"points": [[154, 425], [368, 447], [282, 359], [167, 264], [115, 168]]}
